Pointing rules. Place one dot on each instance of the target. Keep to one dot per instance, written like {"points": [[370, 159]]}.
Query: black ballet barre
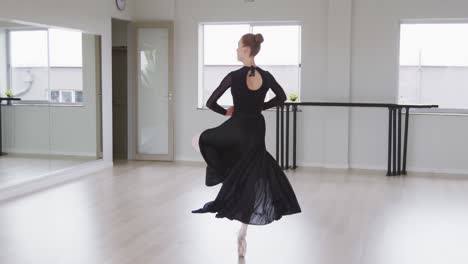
{"points": [[394, 121]]}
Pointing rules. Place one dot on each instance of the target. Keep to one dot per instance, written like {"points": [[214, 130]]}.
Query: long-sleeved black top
{"points": [[246, 100]]}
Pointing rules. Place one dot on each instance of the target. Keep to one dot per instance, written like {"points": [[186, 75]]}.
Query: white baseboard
{"points": [[14, 151], [54, 178], [437, 171], [368, 167], [321, 165], [410, 169], [336, 166]]}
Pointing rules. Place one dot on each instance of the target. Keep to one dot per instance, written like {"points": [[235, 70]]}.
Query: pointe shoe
{"points": [[241, 245]]}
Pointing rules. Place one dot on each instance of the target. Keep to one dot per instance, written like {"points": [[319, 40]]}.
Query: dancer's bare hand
{"points": [[230, 110]]}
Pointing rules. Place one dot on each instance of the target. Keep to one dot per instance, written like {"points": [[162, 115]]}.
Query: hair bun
{"points": [[258, 38]]}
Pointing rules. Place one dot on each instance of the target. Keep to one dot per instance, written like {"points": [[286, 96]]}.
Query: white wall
{"points": [[87, 15], [3, 66], [324, 127], [155, 9], [349, 52], [188, 14], [437, 142], [323, 133]]}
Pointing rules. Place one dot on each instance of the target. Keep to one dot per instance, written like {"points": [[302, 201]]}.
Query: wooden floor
{"points": [[20, 168], [139, 212]]}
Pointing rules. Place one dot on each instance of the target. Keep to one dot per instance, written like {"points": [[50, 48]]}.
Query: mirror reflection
{"points": [[50, 100]]}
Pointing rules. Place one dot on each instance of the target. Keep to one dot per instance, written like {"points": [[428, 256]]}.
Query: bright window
{"points": [[280, 54], [65, 48], [29, 48], [434, 64], [45, 60]]}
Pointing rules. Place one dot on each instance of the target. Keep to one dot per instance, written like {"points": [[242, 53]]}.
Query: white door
{"points": [[151, 48]]}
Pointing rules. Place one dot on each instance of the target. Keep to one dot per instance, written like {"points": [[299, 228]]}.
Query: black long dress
{"points": [[254, 188]]}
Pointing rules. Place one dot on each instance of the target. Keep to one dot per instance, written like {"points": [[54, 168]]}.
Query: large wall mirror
{"points": [[50, 90]]}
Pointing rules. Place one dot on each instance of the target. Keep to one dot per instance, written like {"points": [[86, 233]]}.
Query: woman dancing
{"points": [[255, 190]]}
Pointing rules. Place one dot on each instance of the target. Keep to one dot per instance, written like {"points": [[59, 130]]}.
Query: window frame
{"points": [[45, 102], [425, 111], [200, 104]]}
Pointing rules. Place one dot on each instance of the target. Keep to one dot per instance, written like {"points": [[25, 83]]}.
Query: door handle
{"points": [[169, 95]]}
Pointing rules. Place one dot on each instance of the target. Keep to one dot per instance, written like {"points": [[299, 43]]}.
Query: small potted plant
{"points": [[9, 94], [292, 97]]}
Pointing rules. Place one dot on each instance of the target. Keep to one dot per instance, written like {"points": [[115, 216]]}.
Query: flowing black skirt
{"points": [[254, 188]]}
